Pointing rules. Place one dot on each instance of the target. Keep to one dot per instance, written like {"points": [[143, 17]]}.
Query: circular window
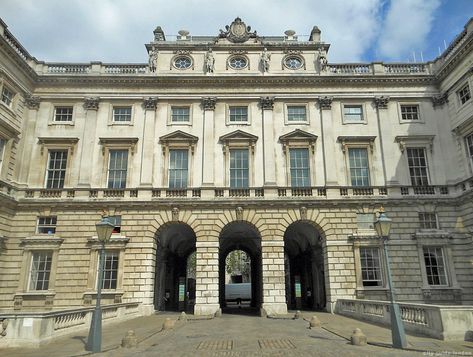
{"points": [[238, 62], [182, 62], [293, 62]]}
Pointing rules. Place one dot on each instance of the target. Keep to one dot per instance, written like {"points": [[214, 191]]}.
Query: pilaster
{"points": [[208, 162], [32, 103], [91, 106], [147, 154], [329, 140], [268, 141]]}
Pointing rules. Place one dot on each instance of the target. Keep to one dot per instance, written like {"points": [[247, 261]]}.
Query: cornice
{"points": [[460, 54], [26, 69]]}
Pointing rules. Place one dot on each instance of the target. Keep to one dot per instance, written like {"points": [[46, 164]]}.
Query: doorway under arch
{"points": [[244, 237], [175, 268], [304, 267]]}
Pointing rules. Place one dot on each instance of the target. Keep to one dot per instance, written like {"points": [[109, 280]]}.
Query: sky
{"points": [[115, 31]]}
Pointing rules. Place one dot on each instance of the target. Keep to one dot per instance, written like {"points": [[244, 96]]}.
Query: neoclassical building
{"points": [[235, 141]]}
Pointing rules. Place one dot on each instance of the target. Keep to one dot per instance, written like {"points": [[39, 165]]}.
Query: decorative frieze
{"points": [[381, 102], [32, 102], [91, 103], [325, 102], [150, 103], [267, 103], [208, 103]]}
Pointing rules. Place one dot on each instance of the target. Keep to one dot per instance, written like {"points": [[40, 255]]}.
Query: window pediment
{"points": [[178, 136], [118, 142], [345, 141], [58, 142], [42, 242], [298, 135], [238, 136], [404, 141]]}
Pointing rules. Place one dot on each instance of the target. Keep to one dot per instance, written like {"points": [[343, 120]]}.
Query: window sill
{"points": [[120, 123], [296, 122], [116, 242], [104, 292], [347, 122], [67, 123], [412, 121], [36, 293]]}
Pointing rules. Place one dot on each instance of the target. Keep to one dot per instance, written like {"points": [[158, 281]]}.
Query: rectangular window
{"points": [[122, 114], [40, 270], [300, 170], [63, 114], [239, 171], [238, 114], [428, 220], [365, 220], [117, 168], [296, 113], [464, 94], [110, 271], [56, 172], [469, 146], [117, 223], [370, 267], [46, 225], [180, 114], [353, 113], [7, 96], [359, 170], [435, 266], [178, 168], [410, 112], [417, 166]]}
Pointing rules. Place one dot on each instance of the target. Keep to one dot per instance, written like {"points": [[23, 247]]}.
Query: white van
{"points": [[238, 292]]}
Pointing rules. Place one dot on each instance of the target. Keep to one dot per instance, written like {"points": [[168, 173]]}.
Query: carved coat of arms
{"points": [[237, 32]]}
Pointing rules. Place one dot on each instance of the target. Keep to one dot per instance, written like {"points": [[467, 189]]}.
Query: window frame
{"points": [[173, 106], [171, 151], [71, 114], [308, 169], [122, 122], [235, 106], [287, 121], [49, 253], [3, 149], [378, 269], [423, 222], [350, 168], [420, 118], [11, 99], [232, 57], [107, 253], [291, 55], [65, 169], [461, 96], [110, 152], [445, 267], [52, 224], [427, 166], [354, 104], [468, 149], [248, 168]]}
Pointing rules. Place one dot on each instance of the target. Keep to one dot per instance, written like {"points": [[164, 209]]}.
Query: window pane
{"points": [[180, 114], [417, 166], [7, 96], [434, 265], [239, 171], [370, 267], [428, 220], [359, 170], [117, 170], [238, 114], [469, 146], [122, 114], [63, 114], [410, 112], [300, 171], [296, 113], [56, 171], [40, 270], [47, 225], [464, 94], [178, 168], [110, 272], [353, 113]]}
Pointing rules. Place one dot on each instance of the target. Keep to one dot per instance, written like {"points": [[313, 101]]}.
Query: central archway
{"points": [[240, 236], [304, 267], [175, 268]]}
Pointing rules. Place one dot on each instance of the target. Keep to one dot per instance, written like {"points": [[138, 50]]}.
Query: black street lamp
{"points": [[383, 227], [94, 341]]}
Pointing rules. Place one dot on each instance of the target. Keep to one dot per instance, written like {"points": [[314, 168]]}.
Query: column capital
{"points": [[267, 103], [150, 103], [325, 102], [91, 103], [208, 103], [32, 101], [381, 102], [440, 100]]}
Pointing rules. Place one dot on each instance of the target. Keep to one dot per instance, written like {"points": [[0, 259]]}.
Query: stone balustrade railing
{"points": [[259, 193], [30, 329], [437, 321]]}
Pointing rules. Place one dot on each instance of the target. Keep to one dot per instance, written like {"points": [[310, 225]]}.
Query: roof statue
{"points": [[237, 32]]}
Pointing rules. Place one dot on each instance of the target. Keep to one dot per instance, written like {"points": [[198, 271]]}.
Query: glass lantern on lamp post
{"points": [[383, 227], [94, 342]]}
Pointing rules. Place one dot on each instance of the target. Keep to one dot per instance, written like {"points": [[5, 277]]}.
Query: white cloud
{"points": [[115, 30], [407, 24]]}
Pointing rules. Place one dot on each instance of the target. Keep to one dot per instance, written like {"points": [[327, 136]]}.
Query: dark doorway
{"points": [[240, 245], [304, 267], [175, 268]]}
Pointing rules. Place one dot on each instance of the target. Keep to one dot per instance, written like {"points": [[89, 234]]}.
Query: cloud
{"points": [[407, 24]]}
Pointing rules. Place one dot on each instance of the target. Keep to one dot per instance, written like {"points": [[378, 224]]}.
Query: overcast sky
{"points": [[116, 30]]}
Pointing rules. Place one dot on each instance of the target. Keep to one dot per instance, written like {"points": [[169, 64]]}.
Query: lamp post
{"points": [[383, 227], [94, 341]]}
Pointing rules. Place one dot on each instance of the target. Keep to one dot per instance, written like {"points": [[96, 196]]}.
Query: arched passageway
{"points": [[304, 267], [240, 236], [175, 268]]}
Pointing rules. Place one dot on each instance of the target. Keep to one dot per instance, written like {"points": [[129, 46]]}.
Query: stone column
{"points": [[208, 169], [32, 103], [91, 105], [147, 157], [269, 168], [274, 288], [328, 141], [206, 284]]}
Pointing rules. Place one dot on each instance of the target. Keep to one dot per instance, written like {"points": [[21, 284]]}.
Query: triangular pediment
{"points": [[238, 135], [298, 135], [178, 136]]}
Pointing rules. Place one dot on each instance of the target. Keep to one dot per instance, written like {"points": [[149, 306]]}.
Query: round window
{"points": [[293, 62], [182, 62], [238, 62]]}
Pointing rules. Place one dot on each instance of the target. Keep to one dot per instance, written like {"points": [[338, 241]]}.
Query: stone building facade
{"points": [[235, 141]]}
